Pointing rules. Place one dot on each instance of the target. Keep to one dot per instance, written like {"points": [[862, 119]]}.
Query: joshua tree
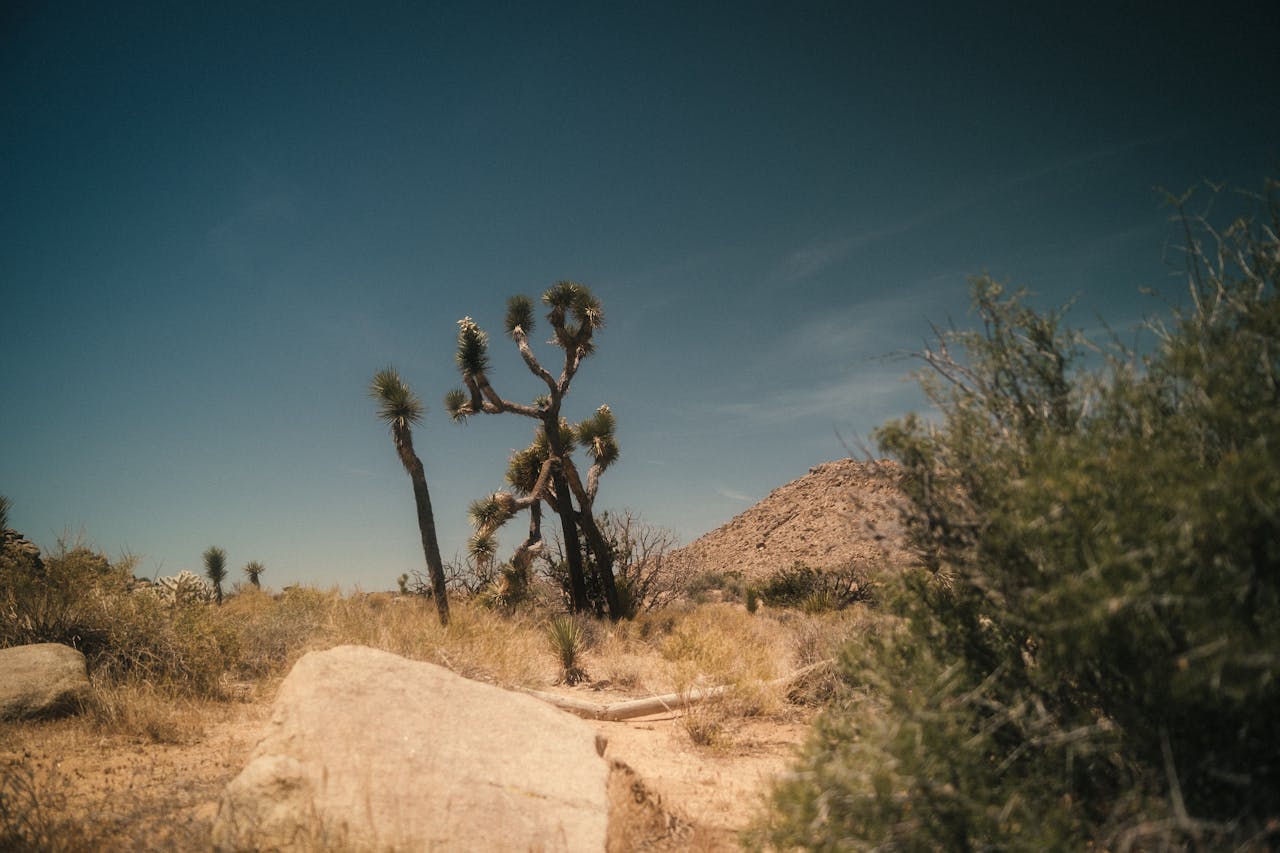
{"points": [[215, 569], [254, 570], [5, 503], [544, 472], [400, 407]]}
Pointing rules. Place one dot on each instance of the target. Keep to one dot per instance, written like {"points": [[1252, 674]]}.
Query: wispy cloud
{"points": [[872, 391], [819, 255], [734, 495], [874, 326], [825, 252]]}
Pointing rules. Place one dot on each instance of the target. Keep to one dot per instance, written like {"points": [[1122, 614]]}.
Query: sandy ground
{"points": [[720, 790], [97, 791], [91, 791]]}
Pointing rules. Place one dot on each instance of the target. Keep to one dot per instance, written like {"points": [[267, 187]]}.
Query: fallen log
{"points": [[632, 708]]}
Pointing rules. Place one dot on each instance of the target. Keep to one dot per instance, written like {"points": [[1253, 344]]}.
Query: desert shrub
{"points": [[183, 648], [139, 710], [728, 585], [1089, 651], [82, 599], [64, 600], [273, 632], [643, 580], [814, 590]]}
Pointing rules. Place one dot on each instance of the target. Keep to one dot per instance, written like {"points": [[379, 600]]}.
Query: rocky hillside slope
{"points": [[840, 513]]}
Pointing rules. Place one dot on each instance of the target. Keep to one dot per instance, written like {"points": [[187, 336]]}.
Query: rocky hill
{"points": [[840, 513]]}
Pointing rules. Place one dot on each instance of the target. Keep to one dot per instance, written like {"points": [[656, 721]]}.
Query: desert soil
{"points": [[99, 791]]}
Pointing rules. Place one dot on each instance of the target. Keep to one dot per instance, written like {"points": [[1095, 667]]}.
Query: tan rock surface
{"points": [[41, 680], [370, 751]]}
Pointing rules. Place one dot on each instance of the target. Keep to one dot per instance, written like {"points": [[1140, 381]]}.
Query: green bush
{"points": [[1090, 647], [814, 590]]}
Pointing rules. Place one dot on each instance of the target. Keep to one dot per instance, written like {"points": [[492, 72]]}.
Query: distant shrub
{"points": [[814, 590], [728, 585], [1089, 650]]}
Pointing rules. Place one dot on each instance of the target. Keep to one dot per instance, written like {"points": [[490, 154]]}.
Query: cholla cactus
{"points": [[544, 472], [181, 589]]}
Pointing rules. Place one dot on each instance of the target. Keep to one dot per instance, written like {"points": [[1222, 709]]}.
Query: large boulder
{"points": [[41, 680], [366, 750]]}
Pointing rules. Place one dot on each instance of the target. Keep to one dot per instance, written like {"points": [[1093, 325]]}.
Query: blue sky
{"points": [[219, 220]]}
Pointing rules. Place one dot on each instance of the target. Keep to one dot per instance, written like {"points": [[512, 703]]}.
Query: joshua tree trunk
{"points": [[572, 548], [426, 519], [604, 562], [564, 508]]}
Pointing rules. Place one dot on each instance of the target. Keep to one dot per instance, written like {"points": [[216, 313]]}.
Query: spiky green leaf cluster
{"points": [[254, 570], [215, 564], [491, 512], [397, 404], [575, 314], [519, 315], [595, 435], [568, 642], [458, 405], [523, 468], [483, 547], [525, 465], [473, 349], [567, 438]]}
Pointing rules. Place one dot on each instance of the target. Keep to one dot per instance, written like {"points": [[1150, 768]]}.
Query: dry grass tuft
{"points": [[34, 817], [139, 710]]}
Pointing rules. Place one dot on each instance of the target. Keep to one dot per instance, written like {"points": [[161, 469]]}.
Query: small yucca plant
{"points": [[215, 569], [568, 641], [254, 570]]}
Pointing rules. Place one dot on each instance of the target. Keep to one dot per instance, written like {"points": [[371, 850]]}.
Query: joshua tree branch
{"points": [[532, 545], [485, 399], [531, 360], [593, 480], [585, 498]]}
